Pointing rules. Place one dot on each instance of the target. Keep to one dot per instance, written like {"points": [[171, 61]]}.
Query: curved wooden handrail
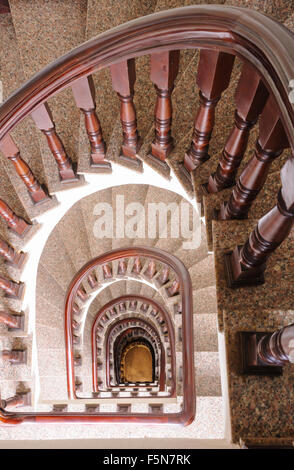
{"points": [[187, 413], [249, 34], [126, 298]]}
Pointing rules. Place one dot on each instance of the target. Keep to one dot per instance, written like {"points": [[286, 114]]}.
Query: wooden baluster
{"points": [[14, 322], [43, 119], [250, 98], [10, 150], [12, 257], [4, 6], [213, 77], [246, 264], [12, 289], [151, 269], [15, 356], [174, 289], [92, 280], [144, 307], [164, 70], [77, 361], [107, 271], [271, 142], [122, 268], [76, 309], [15, 223], [20, 399], [133, 305], [123, 77], [84, 95], [75, 325], [137, 268], [163, 278], [122, 307], [265, 353], [82, 294]]}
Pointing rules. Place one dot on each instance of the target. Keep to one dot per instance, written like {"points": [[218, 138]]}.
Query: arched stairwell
{"points": [[245, 51]]}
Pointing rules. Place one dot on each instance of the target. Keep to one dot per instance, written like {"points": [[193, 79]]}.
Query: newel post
{"points": [[164, 70], [123, 77], [84, 95], [213, 77], [250, 98], [271, 142], [246, 264], [266, 353]]}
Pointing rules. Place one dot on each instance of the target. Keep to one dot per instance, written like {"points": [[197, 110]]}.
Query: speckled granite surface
{"points": [[261, 407]]}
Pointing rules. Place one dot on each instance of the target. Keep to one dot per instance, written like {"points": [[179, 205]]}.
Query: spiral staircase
{"points": [[73, 302]]}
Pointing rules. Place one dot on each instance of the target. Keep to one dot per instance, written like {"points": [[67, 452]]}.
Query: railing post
{"points": [[43, 120], [123, 77], [164, 70], [14, 322], [10, 150], [250, 98], [15, 356], [15, 223], [11, 289], [213, 77], [84, 95], [271, 142], [20, 399], [266, 353], [245, 264], [13, 258]]}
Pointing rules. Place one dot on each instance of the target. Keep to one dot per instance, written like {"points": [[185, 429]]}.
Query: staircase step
{"points": [[205, 332], [202, 273], [45, 22], [204, 300], [207, 372]]}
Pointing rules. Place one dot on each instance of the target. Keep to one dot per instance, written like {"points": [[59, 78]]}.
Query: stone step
{"points": [[204, 300], [205, 332], [46, 24], [202, 273]]}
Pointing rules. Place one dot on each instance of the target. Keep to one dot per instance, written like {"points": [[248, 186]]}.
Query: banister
{"points": [[247, 33]]}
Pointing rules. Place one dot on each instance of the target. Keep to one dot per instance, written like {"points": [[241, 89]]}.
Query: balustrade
{"points": [[250, 98], [271, 142]]}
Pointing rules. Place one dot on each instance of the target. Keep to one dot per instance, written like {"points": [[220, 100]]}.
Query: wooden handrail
{"points": [[246, 33], [132, 298]]}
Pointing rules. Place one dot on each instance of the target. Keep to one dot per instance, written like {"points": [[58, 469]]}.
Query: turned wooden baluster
{"points": [[137, 268], [82, 294], [133, 305], [12, 289], [271, 142], [151, 269], [10, 150], [246, 264], [163, 278], [122, 267], [15, 356], [43, 119], [250, 98], [107, 271], [20, 399], [164, 70], [213, 77], [92, 280], [174, 289], [12, 257], [123, 77], [15, 223], [266, 353], [14, 322], [84, 95]]}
